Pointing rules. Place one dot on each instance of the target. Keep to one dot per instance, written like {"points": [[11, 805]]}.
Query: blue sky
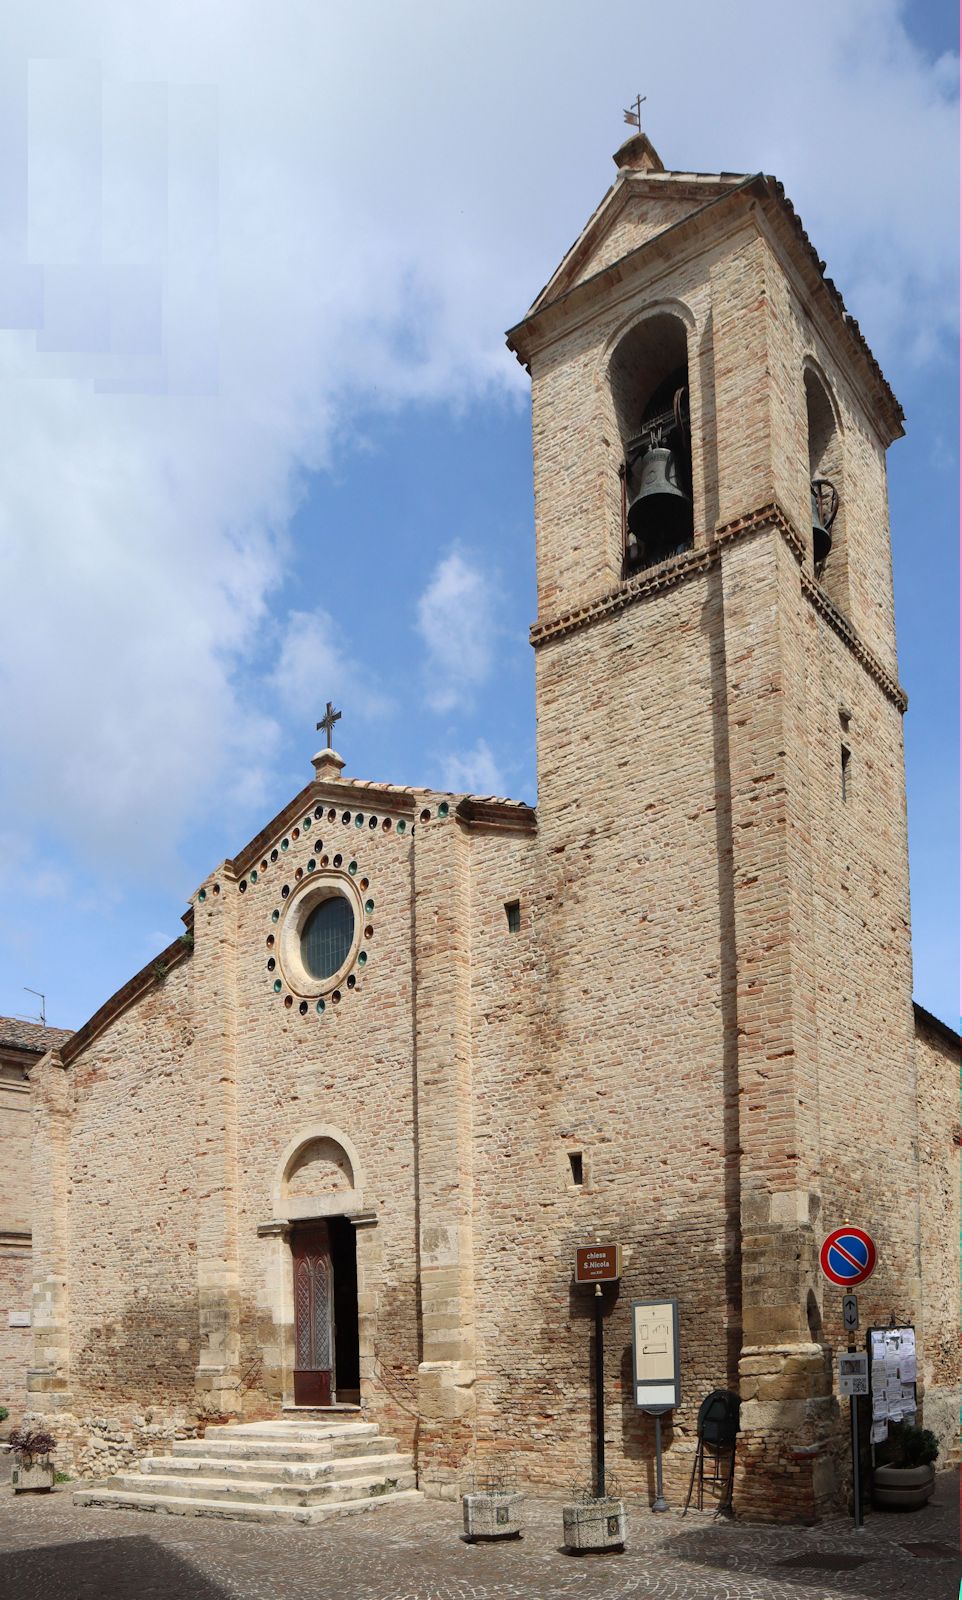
{"points": [[264, 446]]}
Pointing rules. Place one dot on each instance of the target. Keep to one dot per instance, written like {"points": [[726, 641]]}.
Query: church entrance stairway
{"points": [[283, 1471]]}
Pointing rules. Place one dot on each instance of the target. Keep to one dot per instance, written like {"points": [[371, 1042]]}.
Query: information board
{"points": [[892, 1375], [853, 1373], [656, 1364]]}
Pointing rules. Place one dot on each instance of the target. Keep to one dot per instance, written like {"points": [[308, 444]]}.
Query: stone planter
{"points": [[493, 1516], [902, 1488], [595, 1525], [32, 1472]]}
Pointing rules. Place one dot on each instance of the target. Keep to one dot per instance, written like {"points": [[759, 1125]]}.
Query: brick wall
{"points": [[940, 1134]]}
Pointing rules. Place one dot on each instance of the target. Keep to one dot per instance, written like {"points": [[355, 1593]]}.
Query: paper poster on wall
{"points": [[892, 1368]]}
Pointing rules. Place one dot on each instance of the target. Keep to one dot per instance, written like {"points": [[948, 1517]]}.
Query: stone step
{"points": [[300, 1413], [265, 1492], [296, 1430], [264, 1469], [235, 1510], [218, 1444]]}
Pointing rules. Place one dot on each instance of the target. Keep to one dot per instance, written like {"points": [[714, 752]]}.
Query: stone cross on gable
{"points": [[327, 723]]}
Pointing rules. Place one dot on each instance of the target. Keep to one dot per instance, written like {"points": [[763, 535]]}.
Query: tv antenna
{"points": [[43, 1004]]}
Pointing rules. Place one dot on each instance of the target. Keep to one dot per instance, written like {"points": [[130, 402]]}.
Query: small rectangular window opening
{"points": [[577, 1169], [846, 771], [512, 910]]}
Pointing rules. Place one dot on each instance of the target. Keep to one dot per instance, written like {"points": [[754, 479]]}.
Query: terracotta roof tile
{"points": [[16, 1034]]}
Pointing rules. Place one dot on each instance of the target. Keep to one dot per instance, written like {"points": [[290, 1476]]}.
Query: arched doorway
{"points": [[320, 1200], [326, 1356]]}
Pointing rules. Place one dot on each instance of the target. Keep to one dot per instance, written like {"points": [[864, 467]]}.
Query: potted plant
{"points": [[33, 1468], [494, 1506], [905, 1476], [593, 1521]]}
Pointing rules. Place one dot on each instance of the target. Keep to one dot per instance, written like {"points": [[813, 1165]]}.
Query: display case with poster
{"points": [[657, 1376], [892, 1377]]}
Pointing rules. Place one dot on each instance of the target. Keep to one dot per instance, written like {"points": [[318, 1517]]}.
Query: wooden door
{"points": [[313, 1316]]}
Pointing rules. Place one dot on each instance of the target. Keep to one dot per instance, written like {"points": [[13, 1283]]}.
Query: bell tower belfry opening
{"points": [[714, 592], [648, 377]]}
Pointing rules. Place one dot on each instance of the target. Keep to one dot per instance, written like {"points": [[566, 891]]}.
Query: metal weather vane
{"points": [[634, 116]]}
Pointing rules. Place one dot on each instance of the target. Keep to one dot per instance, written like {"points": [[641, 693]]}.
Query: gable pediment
{"points": [[637, 207]]}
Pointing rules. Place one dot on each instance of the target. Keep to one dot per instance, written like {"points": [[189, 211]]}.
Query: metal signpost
{"points": [[847, 1258], [598, 1264], [656, 1369]]}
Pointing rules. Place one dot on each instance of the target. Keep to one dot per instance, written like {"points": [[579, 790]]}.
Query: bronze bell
{"points": [[824, 511], [659, 511]]}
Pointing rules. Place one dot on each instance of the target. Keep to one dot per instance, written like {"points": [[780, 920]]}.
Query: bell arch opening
{"points": [[648, 378], [825, 463]]}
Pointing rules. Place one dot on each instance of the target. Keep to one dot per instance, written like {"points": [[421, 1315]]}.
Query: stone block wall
{"points": [[16, 1279]]}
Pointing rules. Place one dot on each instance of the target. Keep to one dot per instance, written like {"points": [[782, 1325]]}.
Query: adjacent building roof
{"points": [[927, 1019], [36, 1037]]}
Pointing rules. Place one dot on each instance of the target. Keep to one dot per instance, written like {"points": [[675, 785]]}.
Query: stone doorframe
{"points": [[287, 1210]]}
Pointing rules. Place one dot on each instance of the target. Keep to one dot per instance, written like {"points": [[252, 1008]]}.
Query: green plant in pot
{"points": [[904, 1476], [32, 1449]]}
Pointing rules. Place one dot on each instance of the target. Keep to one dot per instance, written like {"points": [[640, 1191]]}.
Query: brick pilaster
{"points": [[785, 1373], [442, 942], [215, 922]]}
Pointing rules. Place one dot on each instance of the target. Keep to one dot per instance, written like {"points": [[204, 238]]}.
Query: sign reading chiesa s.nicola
{"points": [[598, 1263]]}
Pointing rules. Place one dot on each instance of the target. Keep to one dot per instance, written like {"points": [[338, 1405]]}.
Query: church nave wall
{"points": [[127, 1324]]}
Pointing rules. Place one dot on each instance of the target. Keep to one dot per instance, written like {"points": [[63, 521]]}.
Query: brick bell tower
{"points": [[721, 787]]}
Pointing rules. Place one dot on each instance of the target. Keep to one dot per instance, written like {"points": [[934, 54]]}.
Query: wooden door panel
{"points": [[313, 1317]]}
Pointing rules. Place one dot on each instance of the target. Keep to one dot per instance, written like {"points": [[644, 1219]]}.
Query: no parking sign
{"points": [[847, 1257]]}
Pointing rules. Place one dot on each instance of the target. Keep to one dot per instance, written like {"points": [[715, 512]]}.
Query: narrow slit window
{"points": [[512, 910], [846, 772], [577, 1167]]}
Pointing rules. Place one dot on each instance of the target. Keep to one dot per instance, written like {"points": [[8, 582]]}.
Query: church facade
{"points": [[339, 1143]]}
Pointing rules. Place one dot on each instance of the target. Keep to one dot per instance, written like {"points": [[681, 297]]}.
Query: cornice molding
{"points": [[680, 568], [492, 816], [147, 978], [670, 574], [841, 625]]}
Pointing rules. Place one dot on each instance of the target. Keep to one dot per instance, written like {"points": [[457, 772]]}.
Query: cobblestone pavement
{"points": [[53, 1550]]}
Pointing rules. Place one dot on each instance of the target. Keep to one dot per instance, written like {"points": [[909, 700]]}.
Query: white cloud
{"points": [[472, 772], [228, 227], [312, 666], [457, 623]]}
